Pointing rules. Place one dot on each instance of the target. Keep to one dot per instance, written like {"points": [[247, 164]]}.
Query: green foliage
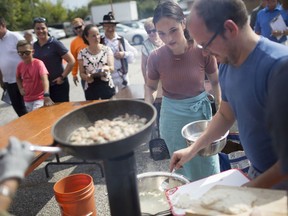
{"points": [[11, 11], [101, 2], [19, 14], [146, 8], [78, 12], [53, 13]]}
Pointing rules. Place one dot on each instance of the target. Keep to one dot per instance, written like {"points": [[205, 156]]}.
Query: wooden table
{"points": [[135, 91], [35, 127], [131, 92]]}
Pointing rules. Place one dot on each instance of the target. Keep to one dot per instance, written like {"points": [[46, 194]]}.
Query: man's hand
{"points": [[48, 101], [119, 55], [58, 80], [22, 91], [285, 32], [2, 85], [75, 80]]}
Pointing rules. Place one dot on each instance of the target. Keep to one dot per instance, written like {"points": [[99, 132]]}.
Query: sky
{"points": [[72, 4]]}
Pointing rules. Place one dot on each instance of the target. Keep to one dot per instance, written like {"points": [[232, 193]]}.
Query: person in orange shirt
{"points": [[76, 45]]}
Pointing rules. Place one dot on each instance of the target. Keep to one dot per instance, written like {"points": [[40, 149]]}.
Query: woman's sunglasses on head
{"points": [[39, 20]]}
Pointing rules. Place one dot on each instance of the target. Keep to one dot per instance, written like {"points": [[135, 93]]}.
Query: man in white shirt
{"points": [[9, 60], [124, 53]]}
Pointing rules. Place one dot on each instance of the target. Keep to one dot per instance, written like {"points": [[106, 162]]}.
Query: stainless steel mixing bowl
{"points": [[194, 129], [152, 198]]}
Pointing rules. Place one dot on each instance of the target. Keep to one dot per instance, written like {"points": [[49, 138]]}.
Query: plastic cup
{"points": [[75, 195]]}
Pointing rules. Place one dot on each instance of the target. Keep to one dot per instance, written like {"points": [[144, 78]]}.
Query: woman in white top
{"points": [[96, 62]]}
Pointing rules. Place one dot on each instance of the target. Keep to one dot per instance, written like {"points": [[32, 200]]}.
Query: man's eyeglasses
{"points": [[26, 53], [39, 20], [150, 31], [204, 47], [77, 27]]}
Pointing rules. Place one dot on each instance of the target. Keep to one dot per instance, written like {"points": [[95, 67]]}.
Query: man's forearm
{"points": [[9, 187], [269, 178]]}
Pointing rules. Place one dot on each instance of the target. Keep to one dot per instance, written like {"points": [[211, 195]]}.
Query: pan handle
{"points": [[46, 149]]}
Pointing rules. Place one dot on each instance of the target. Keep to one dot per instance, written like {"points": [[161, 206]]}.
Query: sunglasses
{"points": [[78, 27], [26, 53], [39, 20], [150, 31]]}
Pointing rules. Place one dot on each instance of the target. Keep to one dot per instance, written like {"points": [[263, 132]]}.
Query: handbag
{"points": [[5, 97]]}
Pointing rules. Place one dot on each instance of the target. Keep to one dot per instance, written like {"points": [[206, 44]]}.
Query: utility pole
{"points": [[112, 7], [32, 7]]}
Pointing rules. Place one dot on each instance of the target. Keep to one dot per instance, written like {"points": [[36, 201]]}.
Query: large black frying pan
{"points": [[87, 115]]}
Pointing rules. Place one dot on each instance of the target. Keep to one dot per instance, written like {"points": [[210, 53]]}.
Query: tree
{"points": [[53, 13], [145, 7], [19, 14], [11, 11], [78, 12]]}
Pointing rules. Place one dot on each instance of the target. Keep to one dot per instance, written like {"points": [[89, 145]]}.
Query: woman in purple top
{"points": [[52, 52], [181, 67]]}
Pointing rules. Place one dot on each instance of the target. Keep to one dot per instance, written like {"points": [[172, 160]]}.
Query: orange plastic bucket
{"points": [[75, 195]]}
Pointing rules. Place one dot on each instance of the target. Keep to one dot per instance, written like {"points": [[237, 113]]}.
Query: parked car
{"points": [[134, 36], [133, 24], [66, 26], [57, 33]]}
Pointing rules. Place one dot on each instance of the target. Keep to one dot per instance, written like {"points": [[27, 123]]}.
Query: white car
{"points": [[134, 24], [57, 33], [134, 36]]}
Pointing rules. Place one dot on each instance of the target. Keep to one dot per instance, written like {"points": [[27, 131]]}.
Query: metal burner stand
{"points": [[121, 182]]}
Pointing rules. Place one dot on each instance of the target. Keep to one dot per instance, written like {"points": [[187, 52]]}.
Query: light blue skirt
{"points": [[174, 115]]}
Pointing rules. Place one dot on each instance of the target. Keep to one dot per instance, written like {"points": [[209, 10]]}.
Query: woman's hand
{"points": [[89, 78], [277, 33], [180, 157], [58, 80], [106, 68]]}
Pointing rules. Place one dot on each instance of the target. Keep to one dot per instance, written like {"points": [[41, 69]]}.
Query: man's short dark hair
{"points": [[23, 43], [216, 12], [2, 21]]}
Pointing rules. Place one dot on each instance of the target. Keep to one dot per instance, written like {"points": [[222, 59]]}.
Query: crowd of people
{"points": [[245, 62], [102, 64]]}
